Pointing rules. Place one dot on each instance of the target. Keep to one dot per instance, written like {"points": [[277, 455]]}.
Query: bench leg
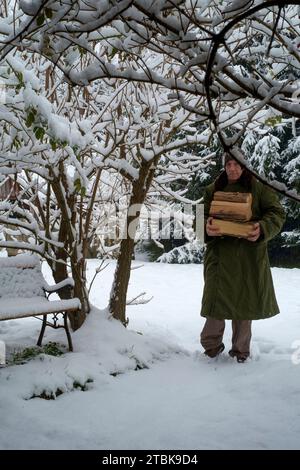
{"points": [[68, 332], [39, 343], [66, 327]]}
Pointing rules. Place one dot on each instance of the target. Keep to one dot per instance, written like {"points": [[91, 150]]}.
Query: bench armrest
{"points": [[60, 285]]}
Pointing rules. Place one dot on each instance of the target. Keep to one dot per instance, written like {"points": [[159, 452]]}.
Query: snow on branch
{"points": [[139, 299]]}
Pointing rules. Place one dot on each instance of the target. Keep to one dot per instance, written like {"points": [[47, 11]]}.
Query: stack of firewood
{"points": [[231, 213]]}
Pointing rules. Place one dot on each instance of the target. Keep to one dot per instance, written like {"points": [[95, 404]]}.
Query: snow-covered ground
{"points": [[180, 399]]}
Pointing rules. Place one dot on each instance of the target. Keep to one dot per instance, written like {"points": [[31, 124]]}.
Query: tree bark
{"points": [[118, 295], [67, 205], [80, 291]]}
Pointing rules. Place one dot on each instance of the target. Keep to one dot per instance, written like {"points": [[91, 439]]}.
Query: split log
{"points": [[237, 211], [233, 197], [234, 229]]}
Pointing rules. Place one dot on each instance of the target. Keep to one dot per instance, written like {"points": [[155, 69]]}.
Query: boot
{"points": [[214, 352]]}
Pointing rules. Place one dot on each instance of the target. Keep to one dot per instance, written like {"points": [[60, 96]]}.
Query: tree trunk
{"points": [[117, 303], [60, 273], [66, 236], [118, 295], [80, 291]]}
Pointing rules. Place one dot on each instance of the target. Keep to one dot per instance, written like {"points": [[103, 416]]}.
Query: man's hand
{"points": [[211, 230], [255, 233]]}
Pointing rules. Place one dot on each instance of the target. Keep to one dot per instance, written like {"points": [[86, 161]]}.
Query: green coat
{"points": [[237, 275]]}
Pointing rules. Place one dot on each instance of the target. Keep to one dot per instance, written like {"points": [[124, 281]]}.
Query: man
{"points": [[238, 281]]}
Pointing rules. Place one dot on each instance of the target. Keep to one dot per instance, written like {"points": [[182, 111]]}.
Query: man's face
{"points": [[233, 170]]}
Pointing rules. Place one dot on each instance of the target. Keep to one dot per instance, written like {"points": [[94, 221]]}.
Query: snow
{"points": [[180, 399], [24, 261], [19, 282], [30, 7], [22, 289], [12, 308], [29, 76]]}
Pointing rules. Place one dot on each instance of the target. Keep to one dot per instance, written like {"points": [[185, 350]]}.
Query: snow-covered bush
{"points": [[191, 252]]}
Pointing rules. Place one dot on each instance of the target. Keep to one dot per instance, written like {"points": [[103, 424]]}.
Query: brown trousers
{"points": [[212, 335]]}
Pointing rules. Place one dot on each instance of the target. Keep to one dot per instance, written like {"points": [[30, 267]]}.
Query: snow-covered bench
{"points": [[25, 293]]}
